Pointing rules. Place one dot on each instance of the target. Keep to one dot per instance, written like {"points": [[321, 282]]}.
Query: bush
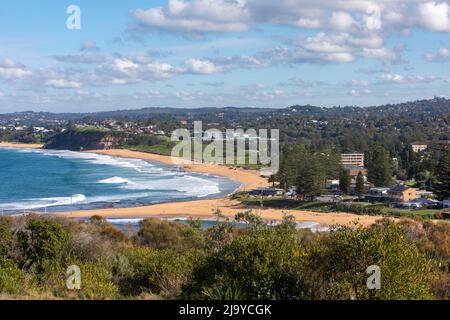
{"points": [[262, 265], [43, 240], [9, 276], [166, 234], [161, 272], [340, 262]]}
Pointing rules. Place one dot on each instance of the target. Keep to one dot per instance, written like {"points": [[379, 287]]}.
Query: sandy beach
{"points": [[20, 145], [204, 208]]}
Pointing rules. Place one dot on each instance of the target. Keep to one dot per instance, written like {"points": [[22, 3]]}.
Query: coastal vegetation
{"points": [[171, 260]]}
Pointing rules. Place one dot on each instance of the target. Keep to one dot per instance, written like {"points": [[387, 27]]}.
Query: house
{"points": [[269, 192], [446, 204], [419, 147], [377, 195], [402, 193]]}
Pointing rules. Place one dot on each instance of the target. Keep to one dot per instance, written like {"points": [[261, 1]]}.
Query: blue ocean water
{"points": [[49, 181]]}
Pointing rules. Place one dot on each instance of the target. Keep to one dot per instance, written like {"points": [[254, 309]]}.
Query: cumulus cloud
{"points": [[202, 66], [9, 69], [196, 15], [240, 15], [434, 16], [442, 55], [341, 21]]}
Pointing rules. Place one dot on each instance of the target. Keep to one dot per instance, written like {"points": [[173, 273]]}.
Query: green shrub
{"points": [[167, 234], [9, 276], [161, 272], [261, 265], [43, 240], [340, 261]]}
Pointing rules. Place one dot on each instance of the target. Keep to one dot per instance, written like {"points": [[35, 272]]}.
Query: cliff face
{"points": [[84, 140]]}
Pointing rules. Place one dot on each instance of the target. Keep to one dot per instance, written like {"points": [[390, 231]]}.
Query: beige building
{"points": [[353, 160], [419, 147]]}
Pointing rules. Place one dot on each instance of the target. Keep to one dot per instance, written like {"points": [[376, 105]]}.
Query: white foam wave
{"points": [[44, 203], [189, 185], [135, 164], [116, 180]]}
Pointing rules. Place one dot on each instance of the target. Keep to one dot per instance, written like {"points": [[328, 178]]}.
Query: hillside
{"points": [[84, 139]]}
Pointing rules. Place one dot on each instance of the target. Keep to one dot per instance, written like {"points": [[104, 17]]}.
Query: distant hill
{"points": [[436, 107]]}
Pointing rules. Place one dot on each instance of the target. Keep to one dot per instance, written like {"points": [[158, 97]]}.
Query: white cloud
{"points": [[63, 84], [406, 79], [196, 16], [337, 15], [360, 92], [10, 69], [442, 55], [434, 16], [202, 66], [341, 21]]}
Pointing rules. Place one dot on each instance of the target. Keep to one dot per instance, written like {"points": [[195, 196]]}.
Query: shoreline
{"points": [[20, 145], [203, 209]]}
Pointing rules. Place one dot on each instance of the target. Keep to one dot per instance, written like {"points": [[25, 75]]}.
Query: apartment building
{"points": [[353, 160]]}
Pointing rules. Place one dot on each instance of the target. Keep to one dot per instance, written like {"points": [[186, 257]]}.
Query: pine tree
{"points": [[379, 165], [360, 189], [442, 186], [345, 181]]}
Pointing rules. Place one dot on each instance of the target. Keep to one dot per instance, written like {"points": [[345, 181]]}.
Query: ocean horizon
{"points": [[41, 180]]}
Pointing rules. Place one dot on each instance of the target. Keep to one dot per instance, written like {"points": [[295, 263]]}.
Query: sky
{"points": [[97, 55]]}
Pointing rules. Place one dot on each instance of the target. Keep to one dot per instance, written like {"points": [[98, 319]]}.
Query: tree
{"points": [[442, 186], [379, 165], [345, 181], [360, 188], [310, 180]]}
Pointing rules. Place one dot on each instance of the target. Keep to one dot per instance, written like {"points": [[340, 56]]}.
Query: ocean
{"points": [[57, 181]]}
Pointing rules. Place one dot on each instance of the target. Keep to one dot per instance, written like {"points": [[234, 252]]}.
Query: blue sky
{"points": [[217, 53]]}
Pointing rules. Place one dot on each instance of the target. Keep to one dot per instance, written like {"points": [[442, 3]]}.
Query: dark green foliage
{"points": [[262, 265], [341, 260], [345, 181], [442, 186], [41, 241], [257, 262], [360, 188], [379, 165]]}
